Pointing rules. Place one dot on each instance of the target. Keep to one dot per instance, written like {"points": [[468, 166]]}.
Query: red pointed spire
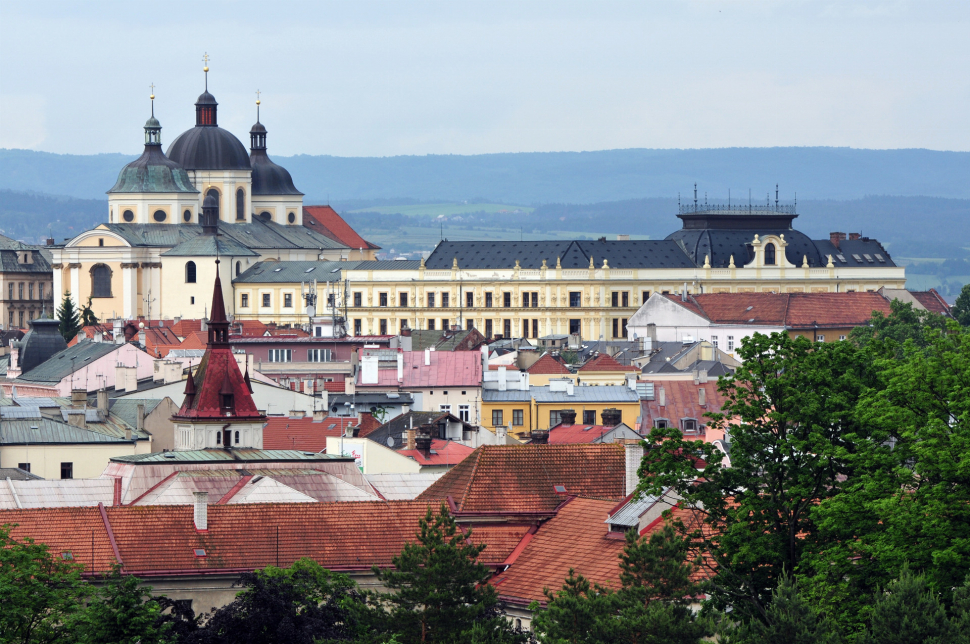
{"points": [[249, 383], [218, 324], [190, 385]]}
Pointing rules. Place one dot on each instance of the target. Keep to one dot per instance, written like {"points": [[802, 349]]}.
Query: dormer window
{"points": [[770, 254], [226, 400]]}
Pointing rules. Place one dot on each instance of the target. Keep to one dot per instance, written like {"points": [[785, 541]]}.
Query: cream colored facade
{"points": [[88, 460]]}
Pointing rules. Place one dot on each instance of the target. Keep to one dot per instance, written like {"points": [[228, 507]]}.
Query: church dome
{"points": [[207, 146], [153, 171], [268, 177]]}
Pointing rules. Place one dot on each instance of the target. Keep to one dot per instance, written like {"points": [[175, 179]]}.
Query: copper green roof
{"points": [[153, 172], [210, 246]]}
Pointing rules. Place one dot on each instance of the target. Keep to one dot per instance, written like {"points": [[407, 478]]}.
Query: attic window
{"points": [[749, 308], [880, 258], [310, 270], [841, 258], [199, 552], [868, 257], [67, 555], [856, 258], [277, 270], [559, 489]]}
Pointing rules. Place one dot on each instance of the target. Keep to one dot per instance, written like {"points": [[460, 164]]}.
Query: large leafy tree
{"points": [[69, 318], [961, 308], [438, 588], [650, 607], [908, 503], [40, 592], [792, 412], [120, 611], [888, 333]]}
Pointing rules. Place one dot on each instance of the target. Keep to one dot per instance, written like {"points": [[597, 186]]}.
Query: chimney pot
{"points": [[540, 436], [854, 236], [201, 514], [835, 238], [567, 418], [611, 417]]}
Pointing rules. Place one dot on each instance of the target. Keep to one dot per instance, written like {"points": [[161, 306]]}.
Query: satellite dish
{"points": [[390, 441]]}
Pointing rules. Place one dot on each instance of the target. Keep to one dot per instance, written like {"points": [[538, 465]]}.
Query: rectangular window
{"points": [[445, 300], [20, 291], [382, 299], [404, 326], [646, 296], [287, 300], [525, 328], [518, 417], [535, 328], [430, 300], [730, 343], [266, 299], [660, 423], [625, 298], [40, 291], [497, 418], [30, 315], [445, 408], [821, 338], [358, 327], [575, 299], [383, 327], [623, 325], [11, 290], [464, 413], [535, 300], [589, 416], [575, 327], [319, 355], [469, 325], [507, 329], [21, 316], [431, 324], [689, 425], [616, 327], [24, 466], [331, 300], [714, 341], [488, 300], [444, 324], [244, 301], [402, 299], [358, 298], [470, 299], [488, 328], [67, 470], [615, 299], [506, 300], [841, 337], [30, 291], [280, 355]]}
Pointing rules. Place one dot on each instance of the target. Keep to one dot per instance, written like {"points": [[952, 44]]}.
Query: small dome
{"points": [[152, 122], [269, 178], [258, 128], [207, 147], [153, 172], [211, 200], [205, 98]]}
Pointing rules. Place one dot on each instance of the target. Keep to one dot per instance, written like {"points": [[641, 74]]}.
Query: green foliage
{"points": [[961, 308], [795, 405], [439, 590], [909, 612], [69, 317], [88, 318], [39, 592], [650, 607], [121, 611], [886, 335]]}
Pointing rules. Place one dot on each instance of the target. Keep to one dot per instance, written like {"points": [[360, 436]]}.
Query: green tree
{"points": [[120, 611], [961, 308], [906, 500], [886, 334], [39, 592], [88, 318], [438, 587], [794, 405], [69, 317], [909, 612]]}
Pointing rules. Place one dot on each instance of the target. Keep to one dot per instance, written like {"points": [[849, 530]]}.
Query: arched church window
{"points": [[238, 268], [291, 217], [190, 272], [159, 215], [187, 215], [100, 281], [128, 216], [240, 204], [770, 254], [265, 216]]}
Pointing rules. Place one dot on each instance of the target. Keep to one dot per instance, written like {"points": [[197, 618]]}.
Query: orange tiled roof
{"points": [[326, 221], [547, 364], [732, 308], [571, 434], [80, 531], [195, 340], [446, 453], [160, 340], [303, 434], [681, 401], [335, 386], [89, 332], [808, 310], [498, 479], [932, 301], [182, 328], [605, 362]]}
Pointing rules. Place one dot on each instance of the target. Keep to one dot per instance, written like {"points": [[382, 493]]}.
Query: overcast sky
{"points": [[378, 79]]}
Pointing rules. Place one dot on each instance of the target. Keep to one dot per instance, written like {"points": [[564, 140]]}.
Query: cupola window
{"points": [[187, 215], [128, 216], [240, 204], [159, 215], [190, 272], [769, 254], [291, 217]]}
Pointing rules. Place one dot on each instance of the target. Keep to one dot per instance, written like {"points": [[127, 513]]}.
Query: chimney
{"points": [[201, 515], [76, 418], [128, 434], [117, 492], [140, 417], [400, 367], [662, 398], [406, 332], [683, 293], [79, 398], [701, 396], [118, 331], [854, 236], [368, 369], [422, 440], [540, 436], [103, 399], [297, 413], [142, 337], [427, 357], [98, 337], [567, 417], [835, 238], [634, 454], [502, 382], [14, 369], [569, 387], [611, 417], [411, 439], [501, 432]]}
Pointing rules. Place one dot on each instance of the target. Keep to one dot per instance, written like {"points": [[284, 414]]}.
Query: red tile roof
{"points": [[498, 479], [932, 301], [572, 434], [681, 401], [79, 530], [89, 331], [336, 386], [195, 340], [247, 328], [445, 453], [326, 221], [732, 308], [833, 310], [605, 362], [447, 369], [183, 328], [160, 340], [303, 434], [547, 364]]}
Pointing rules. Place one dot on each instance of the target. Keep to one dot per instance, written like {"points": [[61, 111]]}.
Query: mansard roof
{"points": [[647, 253], [256, 234]]}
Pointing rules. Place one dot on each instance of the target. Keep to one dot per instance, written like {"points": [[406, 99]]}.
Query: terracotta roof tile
{"points": [[183, 328], [932, 301], [326, 221], [732, 308], [303, 434], [681, 400], [605, 362], [547, 364], [572, 434], [195, 340], [78, 530], [521, 478], [445, 453], [808, 310], [335, 386]]}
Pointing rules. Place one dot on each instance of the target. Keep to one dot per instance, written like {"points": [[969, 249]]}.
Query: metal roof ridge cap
{"points": [[111, 535]]}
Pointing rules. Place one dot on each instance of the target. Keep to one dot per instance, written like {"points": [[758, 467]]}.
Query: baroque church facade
{"points": [[204, 197]]}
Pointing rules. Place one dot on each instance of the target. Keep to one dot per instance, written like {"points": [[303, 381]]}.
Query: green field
{"points": [[445, 209]]}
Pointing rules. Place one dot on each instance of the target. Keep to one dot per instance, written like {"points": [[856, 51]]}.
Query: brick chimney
{"points": [[611, 417], [541, 436], [567, 417], [835, 238], [79, 398], [422, 440], [854, 236], [410, 439]]}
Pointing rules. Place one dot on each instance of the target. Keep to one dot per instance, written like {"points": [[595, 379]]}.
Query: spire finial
{"points": [[257, 105], [152, 97], [205, 61]]}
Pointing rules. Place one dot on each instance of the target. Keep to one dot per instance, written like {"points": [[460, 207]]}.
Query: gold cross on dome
{"points": [[153, 91], [257, 97], [205, 59]]}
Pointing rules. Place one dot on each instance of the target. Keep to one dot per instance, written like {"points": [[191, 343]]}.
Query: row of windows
{"points": [[464, 411], [687, 425], [530, 299], [266, 300], [313, 355], [498, 417], [20, 291], [20, 317]]}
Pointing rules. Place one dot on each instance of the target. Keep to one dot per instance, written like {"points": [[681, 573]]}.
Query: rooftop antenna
{"points": [[152, 97], [776, 196], [205, 61], [678, 200], [749, 199]]}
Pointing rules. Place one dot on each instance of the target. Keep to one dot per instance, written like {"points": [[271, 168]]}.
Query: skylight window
{"points": [[856, 258], [842, 259], [881, 258], [868, 257], [559, 489], [310, 270], [277, 270], [749, 308], [199, 552], [67, 555]]}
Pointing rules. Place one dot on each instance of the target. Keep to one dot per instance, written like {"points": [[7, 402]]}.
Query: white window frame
{"points": [[464, 413], [445, 408], [281, 355], [319, 355], [730, 343], [714, 341]]}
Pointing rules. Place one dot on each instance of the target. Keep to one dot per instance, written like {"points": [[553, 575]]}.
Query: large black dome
{"points": [[269, 178], [207, 147]]}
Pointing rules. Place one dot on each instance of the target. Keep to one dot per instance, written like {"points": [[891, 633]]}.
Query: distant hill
{"points": [[30, 216], [558, 177]]}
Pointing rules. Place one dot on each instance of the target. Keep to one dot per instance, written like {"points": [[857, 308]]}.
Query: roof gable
{"points": [[326, 221], [548, 364]]}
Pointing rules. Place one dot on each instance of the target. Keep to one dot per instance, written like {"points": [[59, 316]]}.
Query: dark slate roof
{"points": [[10, 257], [153, 172], [17, 474], [397, 428], [207, 147], [209, 246], [368, 399], [38, 431], [572, 254], [255, 234], [270, 178], [43, 341], [852, 253], [59, 366], [126, 409], [289, 272], [719, 245]]}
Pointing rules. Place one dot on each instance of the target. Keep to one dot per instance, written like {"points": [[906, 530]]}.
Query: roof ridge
{"points": [[471, 477]]}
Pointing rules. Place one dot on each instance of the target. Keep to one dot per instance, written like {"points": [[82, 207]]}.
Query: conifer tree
{"points": [[69, 318]]}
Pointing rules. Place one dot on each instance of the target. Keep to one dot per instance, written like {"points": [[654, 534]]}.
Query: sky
{"points": [[412, 78]]}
